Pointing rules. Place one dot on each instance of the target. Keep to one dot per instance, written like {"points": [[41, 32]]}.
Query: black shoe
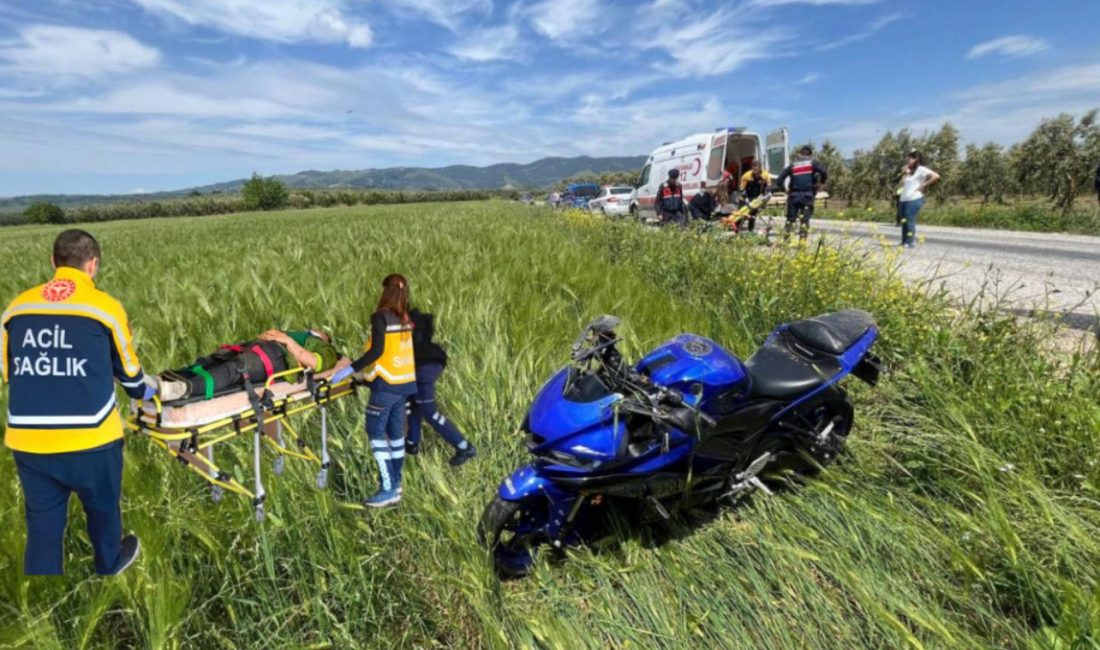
{"points": [[463, 455], [129, 552], [412, 448]]}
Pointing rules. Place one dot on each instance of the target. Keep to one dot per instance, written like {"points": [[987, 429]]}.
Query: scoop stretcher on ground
{"points": [[189, 432]]}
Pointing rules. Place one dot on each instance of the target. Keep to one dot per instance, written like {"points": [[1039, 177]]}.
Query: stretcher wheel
{"points": [[322, 479], [261, 514], [216, 493], [280, 465]]}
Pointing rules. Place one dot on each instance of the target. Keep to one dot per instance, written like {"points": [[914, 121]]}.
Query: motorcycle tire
{"points": [[500, 530]]}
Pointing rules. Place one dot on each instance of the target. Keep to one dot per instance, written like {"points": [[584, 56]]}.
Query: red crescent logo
{"points": [[698, 166], [58, 290]]}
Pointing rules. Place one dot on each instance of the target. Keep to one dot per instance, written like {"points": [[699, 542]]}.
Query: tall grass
{"points": [[966, 514]]}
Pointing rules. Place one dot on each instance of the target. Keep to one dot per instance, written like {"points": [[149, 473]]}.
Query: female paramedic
{"points": [[431, 359], [391, 371]]}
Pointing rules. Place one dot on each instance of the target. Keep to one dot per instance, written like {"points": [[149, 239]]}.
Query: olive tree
{"points": [[1058, 158], [984, 173], [261, 193], [43, 212], [833, 162]]}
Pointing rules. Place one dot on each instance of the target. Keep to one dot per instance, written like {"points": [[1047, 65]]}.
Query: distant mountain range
{"points": [[536, 175]]}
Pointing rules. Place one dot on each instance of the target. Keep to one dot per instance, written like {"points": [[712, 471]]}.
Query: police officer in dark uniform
{"points": [[807, 177], [669, 203], [64, 345], [702, 205]]}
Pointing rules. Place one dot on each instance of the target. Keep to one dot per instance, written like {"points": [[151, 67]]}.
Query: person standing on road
{"points": [[669, 203], [65, 344], [431, 359], [807, 177], [915, 179], [702, 205], [391, 371]]}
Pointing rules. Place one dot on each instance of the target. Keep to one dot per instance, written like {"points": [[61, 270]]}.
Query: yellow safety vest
{"points": [[397, 365], [63, 344]]}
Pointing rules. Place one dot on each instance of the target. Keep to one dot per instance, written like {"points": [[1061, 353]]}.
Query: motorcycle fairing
{"points": [[691, 363], [582, 429], [527, 483]]}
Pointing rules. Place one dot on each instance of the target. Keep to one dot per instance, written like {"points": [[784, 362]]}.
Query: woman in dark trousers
{"points": [[431, 359], [391, 370]]}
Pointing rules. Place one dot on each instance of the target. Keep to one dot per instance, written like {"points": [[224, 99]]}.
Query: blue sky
{"points": [[143, 95]]}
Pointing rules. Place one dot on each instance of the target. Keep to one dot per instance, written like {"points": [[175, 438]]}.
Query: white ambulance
{"points": [[704, 156]]}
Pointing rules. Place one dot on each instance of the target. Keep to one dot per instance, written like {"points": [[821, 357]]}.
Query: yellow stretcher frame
{"points": [[265, 408]]}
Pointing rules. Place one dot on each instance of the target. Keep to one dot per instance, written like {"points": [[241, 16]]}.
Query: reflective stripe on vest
{"points": [[397, 365]]}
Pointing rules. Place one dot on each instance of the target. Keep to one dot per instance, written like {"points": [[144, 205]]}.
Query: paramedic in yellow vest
{"points": [[65, 344], [390, 367]]}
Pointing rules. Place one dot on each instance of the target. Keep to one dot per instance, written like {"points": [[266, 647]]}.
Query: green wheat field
{"points": [[966, 515]]}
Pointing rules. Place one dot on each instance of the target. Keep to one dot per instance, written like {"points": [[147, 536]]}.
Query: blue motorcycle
{"points": [[690, 425]]}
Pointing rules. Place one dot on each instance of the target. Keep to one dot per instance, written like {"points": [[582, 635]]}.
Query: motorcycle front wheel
{"points": [[513, 531]]}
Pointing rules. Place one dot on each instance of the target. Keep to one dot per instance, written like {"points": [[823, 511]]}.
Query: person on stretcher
{"points": [[272, 352]]}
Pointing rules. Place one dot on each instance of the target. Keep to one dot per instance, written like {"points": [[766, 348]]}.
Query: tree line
{"points": [[258, 193], [1056, 161]]}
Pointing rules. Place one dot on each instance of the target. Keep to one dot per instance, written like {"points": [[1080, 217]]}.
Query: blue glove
{"points": [[150, 391], [341, 375]]}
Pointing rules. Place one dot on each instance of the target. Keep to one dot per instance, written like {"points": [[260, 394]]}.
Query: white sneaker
{"points": [[171, 391]]}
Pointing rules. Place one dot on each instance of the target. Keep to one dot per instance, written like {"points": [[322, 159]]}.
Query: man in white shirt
{"points": [[915, 179]]}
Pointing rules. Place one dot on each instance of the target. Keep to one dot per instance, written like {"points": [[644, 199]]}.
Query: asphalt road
{"points": [[1017, 271]]}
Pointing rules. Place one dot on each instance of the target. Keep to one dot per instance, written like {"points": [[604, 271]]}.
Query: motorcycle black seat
{"points": [[778, 372], [832, 333]]}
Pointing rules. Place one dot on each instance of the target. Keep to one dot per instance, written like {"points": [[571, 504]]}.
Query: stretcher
{"points": [[190, 431]]}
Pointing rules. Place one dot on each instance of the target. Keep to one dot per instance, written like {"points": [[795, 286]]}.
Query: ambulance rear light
{"points": [[735, 129]]}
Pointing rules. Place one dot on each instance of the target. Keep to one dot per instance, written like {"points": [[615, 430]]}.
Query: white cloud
{"points": [[490, 44], [286, 131], [1003, 112], [447, 13], [566, 20], [874, 28], [69, 52], [1014, 46], [715, 44], [287, 21], [161, 97]]}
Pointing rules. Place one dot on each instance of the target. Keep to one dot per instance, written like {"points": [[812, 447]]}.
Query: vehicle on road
{"points": [[703, 157], [613, 200], [689, 425], [577, 195]]}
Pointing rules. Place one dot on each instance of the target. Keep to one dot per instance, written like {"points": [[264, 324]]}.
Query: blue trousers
{"points": [[422, 406], [48, 480], [909, 212], [386, 431]]}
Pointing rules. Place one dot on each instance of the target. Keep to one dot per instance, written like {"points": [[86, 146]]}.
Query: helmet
{"points": [[674, 173]]}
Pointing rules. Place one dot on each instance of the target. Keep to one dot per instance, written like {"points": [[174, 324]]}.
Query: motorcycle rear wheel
{"points": [[806, 459], [513, 533]]}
